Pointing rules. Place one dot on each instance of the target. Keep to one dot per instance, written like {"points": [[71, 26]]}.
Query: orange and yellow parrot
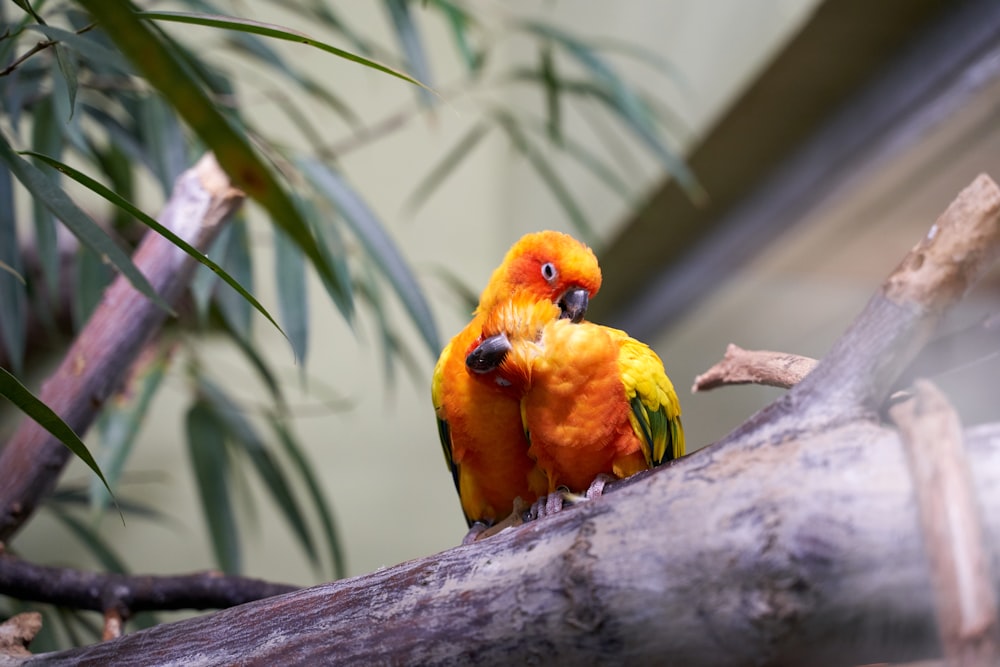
{"points": [[593, 401], [480, 422]]}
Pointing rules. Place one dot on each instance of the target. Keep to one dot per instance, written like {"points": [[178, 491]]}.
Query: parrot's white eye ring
{"points": [[549, 272]]}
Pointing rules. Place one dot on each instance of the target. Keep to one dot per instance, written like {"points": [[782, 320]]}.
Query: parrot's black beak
{"points": [[489, 354], [573, 304]]}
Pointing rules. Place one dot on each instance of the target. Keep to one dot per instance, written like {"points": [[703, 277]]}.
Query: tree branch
{"points": [[739, 366], [116, 332], [795, 540], [129, 594], [952, 527]]}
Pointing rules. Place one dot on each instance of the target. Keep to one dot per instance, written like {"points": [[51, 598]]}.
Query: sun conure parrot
{"points": [[480, 423], [594, 402]]}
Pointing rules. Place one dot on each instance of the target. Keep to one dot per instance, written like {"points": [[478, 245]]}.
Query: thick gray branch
{"points": [[802, 551]]}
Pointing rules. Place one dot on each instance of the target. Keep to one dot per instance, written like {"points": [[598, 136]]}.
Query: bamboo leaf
{"points": [[163, 140], [331, 244], [101, 550], [243, 434], [587, 159], [257, 362], [119, 424], [85, 229], [458, 21], [293, 295], [206, 438], [409, 40], [626, 103], [91, 277], [43, 415], [151, 222], [445, 166], [167, 70], [305, 469], [273, 31], [89, 49], [13, 302], [547, 67], [46, 138], [379, 245], [68, 69], [238, 260]]}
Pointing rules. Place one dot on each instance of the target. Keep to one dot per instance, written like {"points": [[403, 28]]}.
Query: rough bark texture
{"points": [[114, 335], [795, 540], [787, 552]]}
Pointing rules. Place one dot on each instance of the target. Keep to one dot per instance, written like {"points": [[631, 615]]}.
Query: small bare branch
{"points": [[739, 366], [17, 632]]}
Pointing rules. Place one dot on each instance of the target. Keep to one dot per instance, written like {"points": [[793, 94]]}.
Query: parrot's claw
{"points": [[475, 531], [549, 505], [596, 488]]}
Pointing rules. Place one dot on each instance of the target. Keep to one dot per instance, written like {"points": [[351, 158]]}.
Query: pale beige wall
{"points": [[380, 461]]}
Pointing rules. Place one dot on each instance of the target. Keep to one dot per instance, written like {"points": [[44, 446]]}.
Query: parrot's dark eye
{"points": [[549, 272]]}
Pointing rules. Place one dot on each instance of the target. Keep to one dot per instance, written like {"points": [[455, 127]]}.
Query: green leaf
{"points": [[547, 67], [257, 362], [547, 173], [458, 21], [239, 261], [120, 421], [85, 229], [166, 69], [409, 40], [13, 304], [101, 550], [163, 140], [305, 469], [269, 30], [150, 222], [587, 159], [68, 68], [89, 49], [625, 102], [91, 277], [379, 245], [437, 175], [331, 244], [243, 434], [43, 415], [46, 137], [206, 438], [293, 295]]}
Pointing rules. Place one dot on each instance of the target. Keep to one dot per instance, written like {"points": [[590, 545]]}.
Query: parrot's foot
{"points": [[596, 488], [550, 504], [475, 532], [480, 531]]}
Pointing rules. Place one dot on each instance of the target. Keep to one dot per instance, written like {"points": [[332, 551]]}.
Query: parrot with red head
{"points": [[479, 423]]}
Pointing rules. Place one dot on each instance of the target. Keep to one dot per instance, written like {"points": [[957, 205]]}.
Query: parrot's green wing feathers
{"points": [[656, 413]]}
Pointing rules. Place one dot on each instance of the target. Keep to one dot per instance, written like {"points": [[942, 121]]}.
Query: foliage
{"points": [[98, 101]]}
